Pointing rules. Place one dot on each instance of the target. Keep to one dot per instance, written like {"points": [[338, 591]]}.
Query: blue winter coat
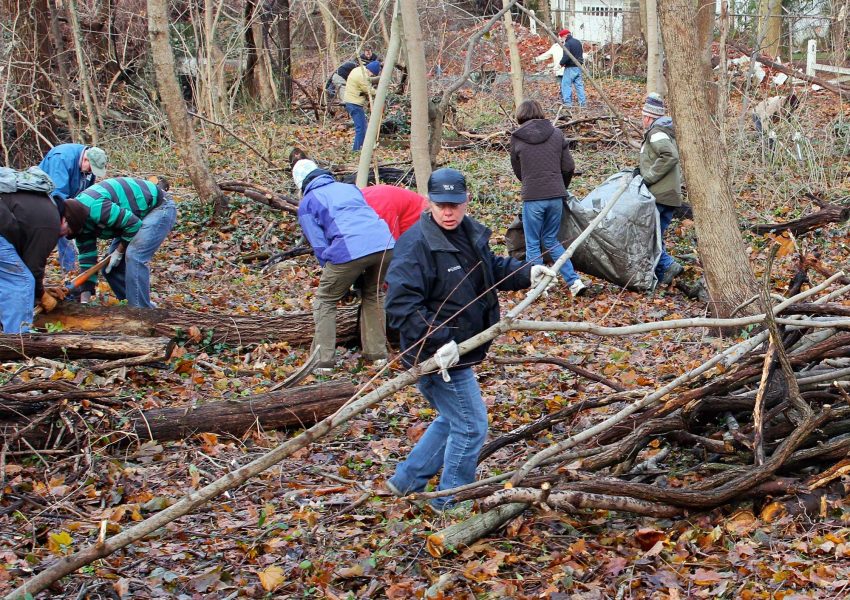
{"points": [[338, 223], [62, 163], [431, 300]]}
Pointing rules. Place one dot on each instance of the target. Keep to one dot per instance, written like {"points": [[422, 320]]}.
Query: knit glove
{"points": [[447, 357], [115, 258], [47, 302]]}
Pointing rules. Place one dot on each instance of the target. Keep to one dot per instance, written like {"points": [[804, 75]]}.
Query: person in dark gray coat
{"points": [[542, 161]]}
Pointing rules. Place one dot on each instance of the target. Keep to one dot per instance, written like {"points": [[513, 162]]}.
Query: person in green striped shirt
{"points": [[137, 216]]}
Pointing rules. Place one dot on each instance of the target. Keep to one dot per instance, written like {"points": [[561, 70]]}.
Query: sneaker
{"points": [[673, 271], [379, 363], [393, 489], [577, 288]]}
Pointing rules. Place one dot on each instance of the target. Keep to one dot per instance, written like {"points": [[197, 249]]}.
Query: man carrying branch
{"points": [[442, 290]]}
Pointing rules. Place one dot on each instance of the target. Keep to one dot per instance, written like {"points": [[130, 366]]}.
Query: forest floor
{"points": [[319, 524]]}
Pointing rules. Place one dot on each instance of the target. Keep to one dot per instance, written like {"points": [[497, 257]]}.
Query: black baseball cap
{"points": [[447, 185]]}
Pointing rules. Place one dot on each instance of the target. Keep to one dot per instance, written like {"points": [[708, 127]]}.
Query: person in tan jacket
{"points": [[357, 89]]}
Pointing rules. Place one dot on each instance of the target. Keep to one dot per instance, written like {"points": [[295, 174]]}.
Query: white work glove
{"points": [[447, 357], [116, 257], [538, 272], [85, 297]]}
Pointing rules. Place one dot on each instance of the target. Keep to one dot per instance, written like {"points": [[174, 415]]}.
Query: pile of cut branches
{"points": [[767, 416]]}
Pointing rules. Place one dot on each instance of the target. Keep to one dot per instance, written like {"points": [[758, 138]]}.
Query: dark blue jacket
{"points": [[62, 163], [431, 301], [574, 47], [338, 223]]}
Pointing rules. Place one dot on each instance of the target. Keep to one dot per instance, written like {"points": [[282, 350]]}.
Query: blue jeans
{"points": [[572, 77], [452, 442], [665, 215], [131, 279], [358, 115], [17, 290], [541, 220], [67, 254]]}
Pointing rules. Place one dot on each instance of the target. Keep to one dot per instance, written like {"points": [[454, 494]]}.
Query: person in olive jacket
{"points": [[660, 169], [541, 160]]}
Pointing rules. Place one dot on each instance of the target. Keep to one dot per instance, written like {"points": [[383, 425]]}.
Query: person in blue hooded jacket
{"points": [[73, 168], [350, 240]]}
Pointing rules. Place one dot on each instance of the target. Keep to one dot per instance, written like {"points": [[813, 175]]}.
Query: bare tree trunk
{"points": [[284, 51], [175, 109], [419, 105], [770, 26], [546, 13], [330, 32], [516, 65], [654, 51], [94, 119], [379, 100], [64, 81], [840, 30], [258, 73], [721, 247], [27, 91], [705, 31]]}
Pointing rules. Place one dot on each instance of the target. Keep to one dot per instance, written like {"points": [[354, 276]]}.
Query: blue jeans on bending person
{"points": [[452, 442], [67, 251], [358, 115], [572, 77], [131, 279], [665, 216], [17, 290], [541, 220]]}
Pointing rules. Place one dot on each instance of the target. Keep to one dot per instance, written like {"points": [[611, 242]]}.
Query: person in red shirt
{"points": [[399, 207]]}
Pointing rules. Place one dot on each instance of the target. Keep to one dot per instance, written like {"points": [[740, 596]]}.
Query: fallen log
{"points": [[69, 345], [471, 530], [294, 328], [828, 213], [839, 89], [293, 407], [262, 195]]}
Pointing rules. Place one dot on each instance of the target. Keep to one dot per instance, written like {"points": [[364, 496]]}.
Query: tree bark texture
{"points": [[654, 51], [516, 65], [95, 121], [770, 27], [175, 109], [295, 328], [418, 77], [296, 407], [284, 51], [32, 135], [14, 347], [728, 274]]}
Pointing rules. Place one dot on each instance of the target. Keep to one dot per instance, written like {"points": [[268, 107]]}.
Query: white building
{"points": [[594, 21]]}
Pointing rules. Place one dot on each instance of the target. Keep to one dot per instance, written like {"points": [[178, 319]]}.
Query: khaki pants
{"points": [[334, 284]]}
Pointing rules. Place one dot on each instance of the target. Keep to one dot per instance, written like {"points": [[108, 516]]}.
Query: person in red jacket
{"points": [[399, 207]]}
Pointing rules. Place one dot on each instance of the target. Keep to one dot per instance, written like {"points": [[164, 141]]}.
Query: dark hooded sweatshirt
{"points": [[541, 160], [30, 222]]}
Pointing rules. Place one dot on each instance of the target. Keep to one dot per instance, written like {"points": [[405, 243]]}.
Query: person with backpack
{"points": [[572, 70], [73, 168], [541, 160], [29, 228], [660, 169], [137, 215]]}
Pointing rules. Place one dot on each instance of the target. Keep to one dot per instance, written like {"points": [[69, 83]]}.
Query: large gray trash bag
{"points": [[625, 247]]}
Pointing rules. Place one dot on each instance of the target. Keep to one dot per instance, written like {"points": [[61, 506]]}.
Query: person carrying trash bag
{"points": [[442, 286], [541, 160], [662, 173]]}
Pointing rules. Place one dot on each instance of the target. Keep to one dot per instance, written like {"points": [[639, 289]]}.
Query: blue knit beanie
{"points": [[374, 67]]}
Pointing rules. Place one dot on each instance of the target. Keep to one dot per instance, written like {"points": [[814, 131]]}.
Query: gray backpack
{"points": [[31, 180]]}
